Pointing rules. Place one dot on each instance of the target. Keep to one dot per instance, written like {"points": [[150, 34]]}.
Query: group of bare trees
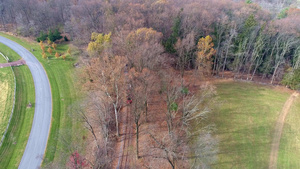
{"points": [[136, 69]]}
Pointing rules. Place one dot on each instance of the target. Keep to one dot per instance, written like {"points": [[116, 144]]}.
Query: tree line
{"points": [[249, 39]]}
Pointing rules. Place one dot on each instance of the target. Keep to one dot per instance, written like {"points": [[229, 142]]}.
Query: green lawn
{"points": [[60, 74], [289, 149], [7, 86], [245, 120], [12, 55], [17, 135]]}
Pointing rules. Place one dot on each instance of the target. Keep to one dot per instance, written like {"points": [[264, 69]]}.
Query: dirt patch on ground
{"points": [[278, 131]]}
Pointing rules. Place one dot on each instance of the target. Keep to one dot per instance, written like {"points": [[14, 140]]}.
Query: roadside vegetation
{"points": [[17, 134], [7, 86], [60, 73]]}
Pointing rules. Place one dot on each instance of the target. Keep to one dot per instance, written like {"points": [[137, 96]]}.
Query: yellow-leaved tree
{"points": [[44, 55], [49, 42], [205, 51], [99, 43], [54, 46], [42, 46]]}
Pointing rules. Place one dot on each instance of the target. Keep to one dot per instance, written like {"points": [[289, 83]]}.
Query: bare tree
{"points": [[141, 84], [228, 44], [171, 92], [281, 49], [185, 51], [205, 149], [106, 74], [144, 49]]}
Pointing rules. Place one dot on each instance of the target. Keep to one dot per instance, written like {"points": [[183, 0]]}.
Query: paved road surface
{"points": [[38, 137]]}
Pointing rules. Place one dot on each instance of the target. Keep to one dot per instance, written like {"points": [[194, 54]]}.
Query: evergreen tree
{"points": [[169, 44], [51, 36], [57, 35]]}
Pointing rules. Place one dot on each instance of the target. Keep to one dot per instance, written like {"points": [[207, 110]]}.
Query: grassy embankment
{"points": [[7, 85], [289, 149], [245, 120], [19, 129], [60, 74]]}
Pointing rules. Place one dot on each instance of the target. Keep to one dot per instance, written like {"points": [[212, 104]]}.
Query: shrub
{"points": [[43, 36], [66, 38], [292, 79], [54, 35], [57, 35], [248, 2], [283, 13], [57, 55]]}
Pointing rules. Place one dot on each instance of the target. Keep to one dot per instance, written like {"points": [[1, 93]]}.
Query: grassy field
{"points": [[60, 74], [7, 85], [289, 150], [245, 120], [17, 135]]}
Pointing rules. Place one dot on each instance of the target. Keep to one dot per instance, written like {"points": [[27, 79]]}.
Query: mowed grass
{"points": [[18, 132], [245, 120], [12, 55], [7, 86], [289, 149], [60, 74]]}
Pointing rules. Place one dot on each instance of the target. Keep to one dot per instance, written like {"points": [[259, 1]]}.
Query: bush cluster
{"points": [[52, 36], [292, 79]]}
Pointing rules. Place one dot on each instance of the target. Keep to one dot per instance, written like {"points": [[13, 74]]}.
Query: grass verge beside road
{"points": [[16, 137], [12, 55], [60, 74], [7, 86]]}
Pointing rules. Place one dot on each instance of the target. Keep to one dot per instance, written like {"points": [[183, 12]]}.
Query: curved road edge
{"points": [[37, 141]]}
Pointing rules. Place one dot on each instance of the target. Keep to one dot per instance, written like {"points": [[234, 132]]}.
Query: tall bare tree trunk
{"points": [[274, 73], [117, 121], [137, 140]]}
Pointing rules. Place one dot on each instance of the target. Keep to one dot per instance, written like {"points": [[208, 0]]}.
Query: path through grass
{"points": [[289, 148], [245, 121]]}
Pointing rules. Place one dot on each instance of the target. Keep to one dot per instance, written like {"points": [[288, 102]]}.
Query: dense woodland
{"points": [[250, 38], [133, 46]]}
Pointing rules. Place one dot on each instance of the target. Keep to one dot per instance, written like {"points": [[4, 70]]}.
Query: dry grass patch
{"points": [[6, 97]]}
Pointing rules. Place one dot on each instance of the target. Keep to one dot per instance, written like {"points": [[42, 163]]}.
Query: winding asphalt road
{"points": [[38, 137]]}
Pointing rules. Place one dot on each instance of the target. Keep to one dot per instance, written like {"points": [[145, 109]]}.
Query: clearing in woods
{"points": [[245, 123]]}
